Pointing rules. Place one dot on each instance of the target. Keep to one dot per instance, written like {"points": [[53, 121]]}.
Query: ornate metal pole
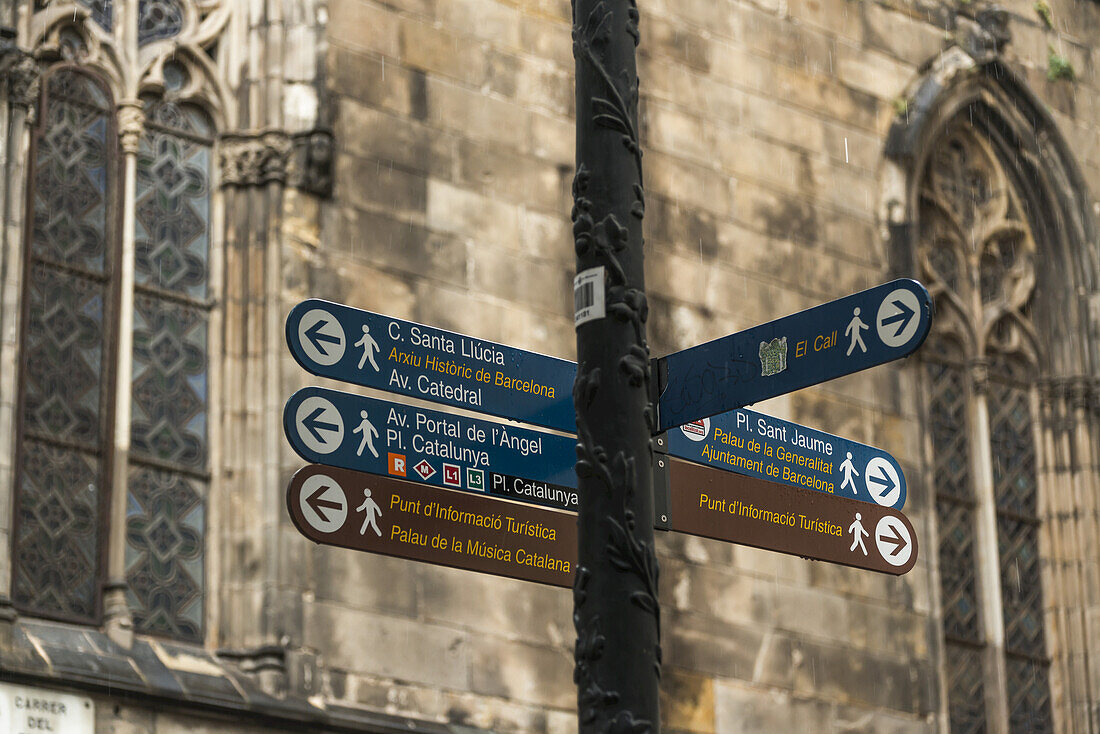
{"points": [[616, 612]]}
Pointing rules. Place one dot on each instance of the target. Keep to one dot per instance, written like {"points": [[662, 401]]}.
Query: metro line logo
{"points": [[452, 475], [424, 470]]}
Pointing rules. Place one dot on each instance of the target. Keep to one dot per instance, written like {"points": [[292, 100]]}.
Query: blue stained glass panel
{"points": [[57, 544], [70, 195], [165, 527], [169, 382], [158, 19], [173, 207], [64, 352]]}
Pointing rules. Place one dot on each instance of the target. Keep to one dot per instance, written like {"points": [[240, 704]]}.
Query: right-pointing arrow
{"points": [[901, 318], [895, 540], [316, 503], [883, 481]]}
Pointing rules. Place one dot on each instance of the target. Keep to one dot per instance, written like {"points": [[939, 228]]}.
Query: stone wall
{"points": [[763, 126]]}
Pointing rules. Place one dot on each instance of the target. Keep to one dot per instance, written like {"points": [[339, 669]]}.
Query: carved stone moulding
{"points": [[302, 160], [250, 159]]}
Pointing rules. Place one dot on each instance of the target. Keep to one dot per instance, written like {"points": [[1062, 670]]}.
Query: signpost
{"points": [[763, 514], [869, 328], [369, 349], [398, 518], [747, 442], [430, 447]]}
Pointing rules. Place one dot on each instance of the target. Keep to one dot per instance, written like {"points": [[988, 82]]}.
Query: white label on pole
{"points": [[893, 541], [35, 710], [319, 425], [324, 504], [882, 481], [899, 317], [321, 336], [588, 296]]}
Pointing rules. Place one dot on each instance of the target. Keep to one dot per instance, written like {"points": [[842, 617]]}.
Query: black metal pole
{"points": [[616, 612]]}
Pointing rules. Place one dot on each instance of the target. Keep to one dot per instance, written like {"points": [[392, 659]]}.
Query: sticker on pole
{"points": [[588, 296]]}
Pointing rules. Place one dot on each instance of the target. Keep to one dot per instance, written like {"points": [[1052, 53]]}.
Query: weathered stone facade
{"points": [[415, 158]]}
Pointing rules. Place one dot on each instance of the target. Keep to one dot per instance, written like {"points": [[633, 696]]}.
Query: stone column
{"points": [[15, 132], [254, 169], [988, 554], [117, 618]]}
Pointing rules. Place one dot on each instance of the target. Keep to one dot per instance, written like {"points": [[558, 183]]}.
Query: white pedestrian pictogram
{"points": [[856, 529], [368, 430], [370, 346], [854, 330], [373, 512], [849, 470]]}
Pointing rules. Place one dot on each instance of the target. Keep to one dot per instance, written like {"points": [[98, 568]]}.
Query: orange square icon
{"points": [[397, 464]]}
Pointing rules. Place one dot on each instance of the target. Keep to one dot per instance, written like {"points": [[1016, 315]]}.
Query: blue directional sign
{"points": [[369, 349], [869, 328], [746, 442], [431, 447]]}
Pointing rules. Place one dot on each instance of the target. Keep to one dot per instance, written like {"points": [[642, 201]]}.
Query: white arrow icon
{"points": [[323, 503], [898, 317], [321, 336], [893, 541], [882, 481], [319, 425]]}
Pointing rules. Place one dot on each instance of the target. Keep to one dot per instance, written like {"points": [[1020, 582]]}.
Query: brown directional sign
{"points": [[750, 511], [397, 518]]}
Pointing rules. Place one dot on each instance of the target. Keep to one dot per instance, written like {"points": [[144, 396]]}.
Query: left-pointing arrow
{"points": [[315, 425], [318, 337], [317, 504]]}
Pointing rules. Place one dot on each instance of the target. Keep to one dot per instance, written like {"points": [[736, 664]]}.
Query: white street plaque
{"points": [[37, 710]]}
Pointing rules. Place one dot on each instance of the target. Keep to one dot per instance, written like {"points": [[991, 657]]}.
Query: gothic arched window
{"points": [[113, 469], [978, 255]]}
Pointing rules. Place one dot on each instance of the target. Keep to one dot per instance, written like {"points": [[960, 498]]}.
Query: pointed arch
{"points": [[982, 197]]}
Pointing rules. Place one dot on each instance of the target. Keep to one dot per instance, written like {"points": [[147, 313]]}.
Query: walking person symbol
{"points": [[370, 346], [373, 511], [849, 469], [367, 429], [856, 529], [855, 329]]}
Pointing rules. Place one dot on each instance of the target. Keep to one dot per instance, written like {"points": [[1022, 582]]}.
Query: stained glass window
{"points": [[61, 477], [955, 513], [158, 19], [978, 256], [1015, 488], [168, 455]]}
